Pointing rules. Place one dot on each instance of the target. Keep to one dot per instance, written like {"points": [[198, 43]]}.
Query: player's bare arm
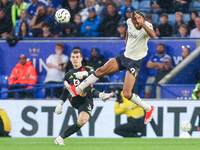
{"points": [[149, 31]]}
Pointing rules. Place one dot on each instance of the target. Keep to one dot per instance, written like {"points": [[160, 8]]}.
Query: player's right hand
{"points": [[58, 109], [81, 74]]}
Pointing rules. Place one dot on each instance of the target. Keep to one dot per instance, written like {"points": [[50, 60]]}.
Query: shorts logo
{"points": [[89, 107], [132, 70]]}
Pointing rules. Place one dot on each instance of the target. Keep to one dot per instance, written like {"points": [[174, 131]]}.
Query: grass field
{"points": [[100, 144]]}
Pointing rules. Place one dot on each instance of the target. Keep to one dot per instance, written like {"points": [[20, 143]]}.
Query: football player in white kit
{"points": [[137, 36]]}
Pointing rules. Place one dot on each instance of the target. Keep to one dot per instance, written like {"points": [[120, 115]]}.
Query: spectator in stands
{"points": [[135, 118], [56, 64], [5, 124], [157, 31], [182, 31], [104, 10], [196, 93], [84, 12], [161, 6], [16, 10], [67, 31], [54, 4], [154, 63], [22, 73], [191, 24], [127, 15], [108, 25], [121, 28], [185, 51], [5, 24], [37, 20], [97, 59], [73, 7], [181, 5], [149, 18], [179, 21], [69, 63], [32, 9], [90, 27], [24, 31], [167, 67], [165, 28], [46, 31], [7, 5], [124, 8], [23, 17], [77, 26], [196, 31]]}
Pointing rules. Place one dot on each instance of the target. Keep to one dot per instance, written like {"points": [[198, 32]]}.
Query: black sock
{"points": [[71, 130]]}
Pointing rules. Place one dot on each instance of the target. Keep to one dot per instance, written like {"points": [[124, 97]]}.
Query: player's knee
{"points": [[127, 94], [82, 121]]}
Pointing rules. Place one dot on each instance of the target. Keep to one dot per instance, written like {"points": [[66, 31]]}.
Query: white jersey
{"points": [[136, 47], [54, 74]]}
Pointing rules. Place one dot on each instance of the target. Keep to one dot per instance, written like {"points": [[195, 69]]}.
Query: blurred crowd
{"points": [[100, 18]]}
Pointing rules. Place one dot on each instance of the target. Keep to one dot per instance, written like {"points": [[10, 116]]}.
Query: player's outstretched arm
{"points": [[81, 74], [141, 21]]}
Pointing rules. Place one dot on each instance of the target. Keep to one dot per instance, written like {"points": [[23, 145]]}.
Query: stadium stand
{"points": [[144, 6]]}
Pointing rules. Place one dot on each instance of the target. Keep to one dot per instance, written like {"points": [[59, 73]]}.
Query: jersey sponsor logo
{"points": [[131, 35], [71, 77], [76, 82]]}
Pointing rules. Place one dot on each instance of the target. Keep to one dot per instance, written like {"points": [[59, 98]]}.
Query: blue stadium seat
{"points": [[155, 18], [145, 6], [41, 79], [171, 19], [118, 76], [195, 5], [4, 80], [40, 93], [135, 4], [186, 18]]}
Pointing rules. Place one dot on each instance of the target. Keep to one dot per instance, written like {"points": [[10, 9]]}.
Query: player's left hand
{"points": [[81, 74], [139, 18], [58, 109]]}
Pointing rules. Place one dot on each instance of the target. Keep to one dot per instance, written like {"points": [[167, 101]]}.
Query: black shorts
{"points": [[124, 63], [87, 106]]}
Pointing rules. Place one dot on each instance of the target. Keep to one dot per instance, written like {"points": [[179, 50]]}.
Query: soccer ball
{"points": [[62, 15], [186, 126]]}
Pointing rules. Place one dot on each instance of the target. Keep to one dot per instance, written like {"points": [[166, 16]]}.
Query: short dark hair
{"points": [[164, 15], [76, 51], [148, 17], [161, 44], [46, 24], [138, 12], [61, 45], [1, 9], [76, 47]]}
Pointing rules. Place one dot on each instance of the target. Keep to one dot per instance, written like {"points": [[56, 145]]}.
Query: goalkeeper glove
{"points": [[105, 96], [81, 74], [58, 109]]}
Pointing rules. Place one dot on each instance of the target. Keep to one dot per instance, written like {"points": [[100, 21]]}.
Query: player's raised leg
{"points": [[110, 67], [127, 90]]}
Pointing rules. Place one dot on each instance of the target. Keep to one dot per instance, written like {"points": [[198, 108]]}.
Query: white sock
{"points": [[89, 80], [137, 100]]}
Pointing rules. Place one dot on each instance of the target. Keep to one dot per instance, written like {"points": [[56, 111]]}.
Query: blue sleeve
{"points": [[83, 29], [49, 19], [28, 10], [96, 25], [151, 58], [122, 10]]}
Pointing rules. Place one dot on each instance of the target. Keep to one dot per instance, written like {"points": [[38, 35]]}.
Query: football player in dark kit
{"points": [[84, 102]]}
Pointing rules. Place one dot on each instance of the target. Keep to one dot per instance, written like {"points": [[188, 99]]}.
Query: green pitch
{"points": [[99, 144]]}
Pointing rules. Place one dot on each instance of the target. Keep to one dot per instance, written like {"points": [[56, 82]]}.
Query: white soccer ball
{"points": [[62, 15], [186, 126]]}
